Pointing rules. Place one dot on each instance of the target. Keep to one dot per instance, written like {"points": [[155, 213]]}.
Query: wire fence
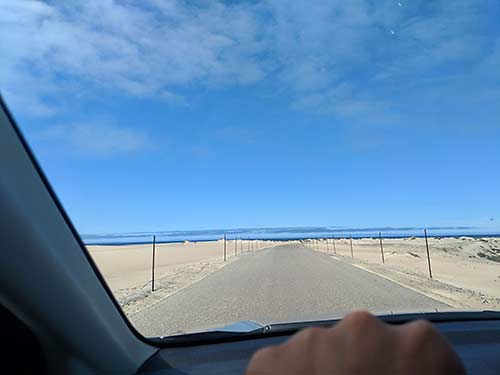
{"points": [[235, 247], [330, 245]]}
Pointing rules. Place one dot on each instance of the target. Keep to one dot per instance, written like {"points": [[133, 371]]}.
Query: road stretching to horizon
{"points": [[279, 284]]}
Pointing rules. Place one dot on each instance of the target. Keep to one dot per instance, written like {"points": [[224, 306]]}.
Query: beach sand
{"points": [[465, 270], [127, 268], [466, 273]]}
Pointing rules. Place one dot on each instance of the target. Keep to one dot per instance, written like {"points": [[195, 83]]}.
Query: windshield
{"points": [[266, 162]]}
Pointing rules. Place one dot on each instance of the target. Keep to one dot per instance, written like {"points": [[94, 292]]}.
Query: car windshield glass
{"points": [[230, 164]]}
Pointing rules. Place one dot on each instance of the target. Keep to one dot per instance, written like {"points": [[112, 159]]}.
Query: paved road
{"points": [[283, 283]]}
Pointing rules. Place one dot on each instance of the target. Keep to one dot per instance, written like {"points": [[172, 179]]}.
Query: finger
{"points": [[421, 339], [265, 361]]}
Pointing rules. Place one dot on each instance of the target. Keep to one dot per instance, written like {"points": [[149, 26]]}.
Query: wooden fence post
{"points": [[153, 267], [381, 247], [224, 247], [428, 256]]}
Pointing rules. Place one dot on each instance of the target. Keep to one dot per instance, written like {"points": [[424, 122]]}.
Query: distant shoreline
{"points": [[290, 238]]}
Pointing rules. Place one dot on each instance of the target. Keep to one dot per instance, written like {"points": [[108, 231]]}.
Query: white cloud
{"points": [[341, 58], [146, 49], [96, 139], [157, 48]]}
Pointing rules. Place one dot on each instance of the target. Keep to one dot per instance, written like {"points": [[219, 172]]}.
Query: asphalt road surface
{"points": [[278, 284]]}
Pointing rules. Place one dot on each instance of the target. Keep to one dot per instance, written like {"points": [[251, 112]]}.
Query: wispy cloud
{"points": [[313, 50], [145, 49], [351, 59], [96, 139]]}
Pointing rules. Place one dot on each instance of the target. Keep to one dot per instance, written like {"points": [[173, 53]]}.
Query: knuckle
{"points": [[360, 320], [360, 328], [424, 329], [308, 335], [421, 333]]}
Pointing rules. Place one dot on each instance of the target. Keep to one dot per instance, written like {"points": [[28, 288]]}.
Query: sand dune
{"points": [[466, 273], [465, 268], [127, 268]]}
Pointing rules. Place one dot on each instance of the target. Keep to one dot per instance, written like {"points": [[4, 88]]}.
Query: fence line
{"points": [[311, 243]]}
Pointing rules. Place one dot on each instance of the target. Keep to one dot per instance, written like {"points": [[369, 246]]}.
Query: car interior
{"points": [[69, 322]]}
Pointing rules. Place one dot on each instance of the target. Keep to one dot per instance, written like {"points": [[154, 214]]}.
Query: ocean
{"points": [[282, 234]]}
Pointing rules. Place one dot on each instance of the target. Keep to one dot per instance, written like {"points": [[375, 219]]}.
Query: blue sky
{"points": [[163, 115]]}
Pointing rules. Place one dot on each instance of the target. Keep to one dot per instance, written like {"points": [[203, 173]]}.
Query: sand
{"points": [[127, 268], [465, 270]]}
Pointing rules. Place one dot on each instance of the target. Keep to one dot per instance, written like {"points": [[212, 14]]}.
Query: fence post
{"points": [[327, 246], [235, 245], [334, 249], [381, 247], [153, 267], [224, 247], [428, 256], [350, 238]]}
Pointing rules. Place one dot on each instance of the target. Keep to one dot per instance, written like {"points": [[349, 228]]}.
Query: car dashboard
{"points": [[477, 343]]}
